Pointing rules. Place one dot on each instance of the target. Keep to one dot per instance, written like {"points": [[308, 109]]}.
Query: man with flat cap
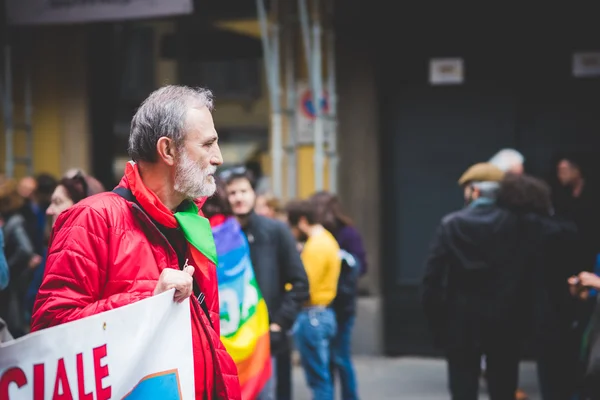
{"points": [[472, 288]]}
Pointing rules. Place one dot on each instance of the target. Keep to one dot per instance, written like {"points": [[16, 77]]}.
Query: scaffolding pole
{"points": [[28, 160], [332, 151], [312, 46], [8, 113], [290, 85], [270, 41]]}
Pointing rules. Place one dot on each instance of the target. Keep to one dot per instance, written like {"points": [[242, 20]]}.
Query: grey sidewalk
{"points": [[407, 378]]}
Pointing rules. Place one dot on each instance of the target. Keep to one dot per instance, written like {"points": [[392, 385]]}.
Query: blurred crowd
{"points": [[514, 274], [304, 244], [28, 210]]}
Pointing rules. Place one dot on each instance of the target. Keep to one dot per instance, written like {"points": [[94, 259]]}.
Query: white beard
{"points": [[193, 181]]}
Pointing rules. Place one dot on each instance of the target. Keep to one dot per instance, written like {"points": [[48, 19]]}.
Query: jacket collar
{"points": [[149, 201], [482, 202]]}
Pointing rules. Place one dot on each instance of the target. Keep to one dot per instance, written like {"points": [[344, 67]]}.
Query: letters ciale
{"points": [[63, 388]]}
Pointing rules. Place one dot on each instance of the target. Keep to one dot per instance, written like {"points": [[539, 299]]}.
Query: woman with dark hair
{"points": [[20, 255], [554, 245], [353, 255], [68, 192], [331, 216], [242, 304], [525, 194]]}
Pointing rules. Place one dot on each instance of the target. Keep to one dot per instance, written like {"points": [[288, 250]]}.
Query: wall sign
{"points": [[446, 71], [306, 114], [586, 64]]}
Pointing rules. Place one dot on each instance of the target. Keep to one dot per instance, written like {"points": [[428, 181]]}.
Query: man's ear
{"points": [[302, 222], [165, 149]]}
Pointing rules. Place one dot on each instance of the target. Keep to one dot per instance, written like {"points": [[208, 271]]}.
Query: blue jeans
{"points": [[313, 332], [269, 391], [342, 359]]}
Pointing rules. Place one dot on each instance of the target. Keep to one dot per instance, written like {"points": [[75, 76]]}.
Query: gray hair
{"points": [[487, 189], [163, 114], [505, 159]]}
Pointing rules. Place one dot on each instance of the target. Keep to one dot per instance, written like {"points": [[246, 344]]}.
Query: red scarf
{"points": [[196, 229]]}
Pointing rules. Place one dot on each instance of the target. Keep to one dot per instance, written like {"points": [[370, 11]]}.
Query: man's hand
{"points": [[278, 338], [577, 289], [182, 281], [589, 280], [35, 261]]}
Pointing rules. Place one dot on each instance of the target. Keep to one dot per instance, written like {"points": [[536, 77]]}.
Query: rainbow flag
{"points": [[243, 311]]}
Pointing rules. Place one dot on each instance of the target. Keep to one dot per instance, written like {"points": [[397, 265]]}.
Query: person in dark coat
{"points": [[20, 255], [474, 288], [553, 341], [577, 199]]}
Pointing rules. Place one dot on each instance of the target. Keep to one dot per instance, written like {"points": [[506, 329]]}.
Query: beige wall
{"points": [[359, 184], [56, 57], [76, 151]]}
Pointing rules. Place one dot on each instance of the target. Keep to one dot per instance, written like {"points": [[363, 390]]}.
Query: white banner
{"points": [[37, 12], [140, 351]]}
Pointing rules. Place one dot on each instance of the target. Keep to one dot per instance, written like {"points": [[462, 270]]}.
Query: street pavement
{"points": [[383, 378]]}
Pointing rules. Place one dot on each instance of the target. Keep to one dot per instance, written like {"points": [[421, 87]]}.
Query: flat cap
{"points": [[481, 172]]}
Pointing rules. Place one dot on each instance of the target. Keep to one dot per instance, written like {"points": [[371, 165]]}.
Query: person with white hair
{"points": [[472, 288], [509, 160]]}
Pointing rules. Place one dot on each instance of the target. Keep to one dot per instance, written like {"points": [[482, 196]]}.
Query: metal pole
{"points": [[290, 85], [29, 119], [8, 113], [331, 88], [264, 34], [276, 119], [304, 26], [270, 42], [317, 90]]}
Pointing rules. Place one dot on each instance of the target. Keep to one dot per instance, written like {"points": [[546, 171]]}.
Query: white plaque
{"points": [[586, 64], [446, 71]]}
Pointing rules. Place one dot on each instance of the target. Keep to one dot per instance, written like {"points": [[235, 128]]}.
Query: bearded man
{"points": [[147, 236]]}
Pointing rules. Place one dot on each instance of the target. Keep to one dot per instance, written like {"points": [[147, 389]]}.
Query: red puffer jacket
{"points": [[106, 253]]}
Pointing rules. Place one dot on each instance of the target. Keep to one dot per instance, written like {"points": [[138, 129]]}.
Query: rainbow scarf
{"points": [[244, 317]]}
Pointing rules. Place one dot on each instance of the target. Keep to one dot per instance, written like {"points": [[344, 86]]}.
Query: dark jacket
{"points": [[276, 262], [353, 266], [585, 213], [18, 246], [349, 239], [554, 309], [475, 288]]}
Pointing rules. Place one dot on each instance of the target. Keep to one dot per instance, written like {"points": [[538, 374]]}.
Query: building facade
{"points": [[403, 139]]}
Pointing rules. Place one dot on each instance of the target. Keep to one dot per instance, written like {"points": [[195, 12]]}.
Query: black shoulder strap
{"points": [[128, 195]]}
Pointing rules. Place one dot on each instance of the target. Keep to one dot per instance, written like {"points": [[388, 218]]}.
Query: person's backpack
{"points": [[344, 303]]}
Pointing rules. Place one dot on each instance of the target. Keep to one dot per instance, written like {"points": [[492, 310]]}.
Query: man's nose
{"points": [[217, 158], [238, 197]]}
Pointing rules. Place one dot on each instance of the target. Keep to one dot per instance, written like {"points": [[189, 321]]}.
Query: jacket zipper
{"points": [[170, 248]]}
